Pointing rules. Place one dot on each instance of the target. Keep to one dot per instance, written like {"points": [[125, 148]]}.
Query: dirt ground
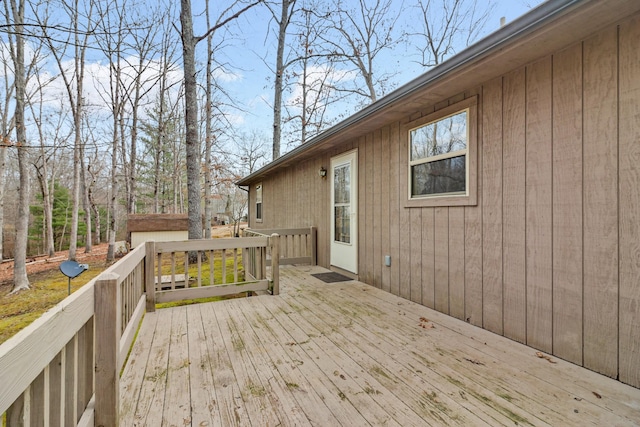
{"points": [[98, 253]]}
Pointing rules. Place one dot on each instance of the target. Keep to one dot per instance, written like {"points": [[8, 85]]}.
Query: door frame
{"points": [[338, 251]]}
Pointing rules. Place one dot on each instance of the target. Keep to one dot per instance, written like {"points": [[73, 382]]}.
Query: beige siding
{"points": [[549, 255]]}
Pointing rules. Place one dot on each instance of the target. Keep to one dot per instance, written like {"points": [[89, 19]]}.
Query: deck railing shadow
{"points": [[64, 368]]}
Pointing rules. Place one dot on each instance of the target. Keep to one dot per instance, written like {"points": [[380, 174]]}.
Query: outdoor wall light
{"points": [[322, 172]]}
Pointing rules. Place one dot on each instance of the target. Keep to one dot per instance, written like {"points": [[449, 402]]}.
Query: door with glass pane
{"points": [[344, 211]]}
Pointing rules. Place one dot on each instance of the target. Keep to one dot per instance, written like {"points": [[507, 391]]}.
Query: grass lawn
{"points": [[48, 288]]}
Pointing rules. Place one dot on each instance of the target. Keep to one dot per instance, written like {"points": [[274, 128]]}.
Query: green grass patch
{"points": [[205, 268], [47, 289]]}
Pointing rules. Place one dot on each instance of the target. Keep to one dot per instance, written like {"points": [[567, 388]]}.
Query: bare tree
{"points": [[312, 77], [208, 140], [76, 38], [45, 170], [189, 42], [15, 16], [143, 79], [6, 127], [251, 151], [282, 19], [446, 26], [112, 25], [360, 34]]}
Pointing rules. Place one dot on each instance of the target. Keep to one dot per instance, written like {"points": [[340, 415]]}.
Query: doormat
{"points": [[331, 277]]}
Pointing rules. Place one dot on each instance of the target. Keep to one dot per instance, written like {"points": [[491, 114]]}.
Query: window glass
{"points": [[439, 177], [342, 224], [447, 135], [341, 178], [438, 156], [259, 202]]}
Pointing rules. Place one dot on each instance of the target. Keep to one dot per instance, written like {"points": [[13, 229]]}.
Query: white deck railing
{"points": [[64, 368]]}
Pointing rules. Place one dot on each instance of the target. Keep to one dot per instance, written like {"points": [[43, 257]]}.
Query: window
{"points": [[259, 203], [441, 157]]}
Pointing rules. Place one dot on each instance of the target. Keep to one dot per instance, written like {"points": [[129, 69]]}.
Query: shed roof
{"points": [[550, 27]]}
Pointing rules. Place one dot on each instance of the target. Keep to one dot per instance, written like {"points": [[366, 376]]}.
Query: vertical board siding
{"points": [[550, 255], [369, 208], [456, 262], [394, 207], [378, 176], [428, 258], [538, 206], [385, 206], [473, 241], [567, 204], [513, 205], [404, 224], [630, 202], [441, 280], [601, 203], [415, 241], [492, 207]]}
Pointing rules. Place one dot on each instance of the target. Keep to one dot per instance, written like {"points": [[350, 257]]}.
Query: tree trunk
{"points": [[20, 279], [85, 205], [3, 168], [208, 134], [191, 122], [278, 87]]}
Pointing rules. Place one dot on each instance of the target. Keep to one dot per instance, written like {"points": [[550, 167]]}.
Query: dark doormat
{"points": [[331, 277]]}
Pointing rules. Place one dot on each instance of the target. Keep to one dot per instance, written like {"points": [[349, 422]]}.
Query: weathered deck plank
{"points": [[349, 354]]}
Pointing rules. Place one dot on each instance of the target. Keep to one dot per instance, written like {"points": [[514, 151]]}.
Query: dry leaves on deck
{"points": [[544, 356], [425, 324]]}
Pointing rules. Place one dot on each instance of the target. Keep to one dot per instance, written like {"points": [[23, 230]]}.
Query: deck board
{"points": [[349, 354]]}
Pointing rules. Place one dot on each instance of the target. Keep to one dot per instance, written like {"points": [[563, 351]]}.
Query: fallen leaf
{"points": [[544, 356]]}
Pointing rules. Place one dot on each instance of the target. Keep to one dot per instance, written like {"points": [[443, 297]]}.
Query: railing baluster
{"points": [[235, 265], [186, 270], [173, 270], [211, 268], [224, 266], [199, 269], [149, 282]]}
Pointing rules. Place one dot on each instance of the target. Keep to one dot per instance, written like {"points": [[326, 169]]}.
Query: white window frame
{"points": [[469, 196]]}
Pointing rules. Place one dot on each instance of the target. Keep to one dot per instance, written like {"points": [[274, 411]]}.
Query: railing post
{"points": [[314, 246], [275, 262], [107, 326], [149, 275]]}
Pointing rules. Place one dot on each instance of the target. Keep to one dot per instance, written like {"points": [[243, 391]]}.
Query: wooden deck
{"points": [[349, 354]]}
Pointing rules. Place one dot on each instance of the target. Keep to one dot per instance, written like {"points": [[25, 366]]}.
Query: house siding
{"points": [[550, 255]]}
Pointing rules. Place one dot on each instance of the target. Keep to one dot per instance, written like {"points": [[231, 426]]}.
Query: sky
{"points": [[251, 81], [248, 79]]}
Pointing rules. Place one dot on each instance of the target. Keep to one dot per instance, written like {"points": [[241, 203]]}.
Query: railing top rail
{"points": [[280, 231], [211, 244], [127, 264]]}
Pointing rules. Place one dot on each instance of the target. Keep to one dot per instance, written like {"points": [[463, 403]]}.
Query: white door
{"points": [[344, 211]]}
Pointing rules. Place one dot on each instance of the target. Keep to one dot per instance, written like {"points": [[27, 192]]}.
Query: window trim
{"points": [[259, 201], [469, 198]]}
